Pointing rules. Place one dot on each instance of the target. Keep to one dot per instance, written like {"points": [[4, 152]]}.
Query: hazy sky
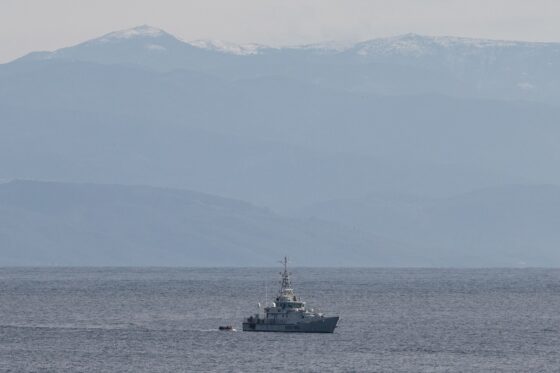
{"points": [[27, 25]]}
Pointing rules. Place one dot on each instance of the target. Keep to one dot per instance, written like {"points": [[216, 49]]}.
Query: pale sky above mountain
{"points": [[29, 25]]}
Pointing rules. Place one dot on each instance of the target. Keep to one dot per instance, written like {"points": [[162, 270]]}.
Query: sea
{"points": [[167, 319]]}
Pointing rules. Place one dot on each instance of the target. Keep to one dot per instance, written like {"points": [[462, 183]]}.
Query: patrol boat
{"points": [[289, 314]]}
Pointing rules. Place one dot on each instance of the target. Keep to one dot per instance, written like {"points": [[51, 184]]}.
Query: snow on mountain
{"points": [[228, 47], [417, 45], [404, 64], [407, 45], [144, 31]]}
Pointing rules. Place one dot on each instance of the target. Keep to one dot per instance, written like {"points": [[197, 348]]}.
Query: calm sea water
{"points": [[165, 320]]}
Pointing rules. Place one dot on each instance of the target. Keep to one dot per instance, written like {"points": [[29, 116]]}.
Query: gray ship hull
{"points": [[322, 325]]}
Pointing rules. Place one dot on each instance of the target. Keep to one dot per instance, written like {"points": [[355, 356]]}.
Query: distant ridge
{"points": [[508, 223], [47, 223], [407, 44], [402, 64]]}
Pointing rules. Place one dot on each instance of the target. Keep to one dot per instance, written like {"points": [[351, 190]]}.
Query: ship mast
{"points": [[286, 285]]}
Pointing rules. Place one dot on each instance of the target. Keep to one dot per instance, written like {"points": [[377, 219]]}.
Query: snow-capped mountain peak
{"points": [[144, 31]]}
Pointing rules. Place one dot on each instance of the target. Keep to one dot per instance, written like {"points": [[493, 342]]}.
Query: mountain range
{"points": [[311, 132], [404, 64], [513, 225], [47, 223]]}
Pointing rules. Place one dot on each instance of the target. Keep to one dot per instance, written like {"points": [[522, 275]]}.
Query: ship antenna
{"points": [[285, 263], [286, 284]]}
